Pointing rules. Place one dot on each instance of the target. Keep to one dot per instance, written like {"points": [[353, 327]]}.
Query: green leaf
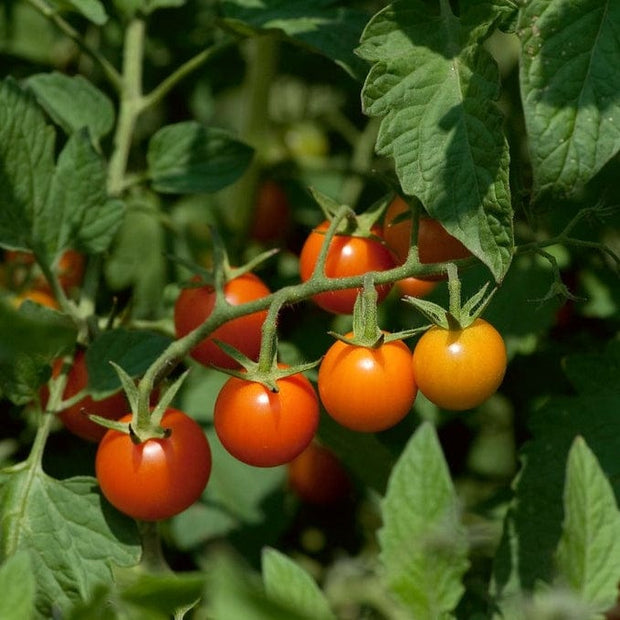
{"points": [[45, 207], [26, 164], [569, 86], [423, 543], [73, 537], [91, 9], [533, 526], [187, 157], [233, 592], [18, 587], [588, 555], [287, 583], [133, 351], [330, 30], [435, 87], [137, 258], [73, 102], [79, 213]]}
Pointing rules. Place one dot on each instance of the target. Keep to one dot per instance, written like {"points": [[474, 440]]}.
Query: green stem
{"points": [[188, 67], [131, 104], [262, 55], [50, 13], [269, 338], [152, 555]]}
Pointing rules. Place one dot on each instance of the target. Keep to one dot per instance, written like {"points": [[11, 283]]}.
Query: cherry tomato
{"points": [[367, 389], [347, 256], [435, 244], [195, 305], [460, 369], [75, 417], [272, 213], [265, 428], [158, 478], [39, 297], [415, 287], [22, 269], [317, 476]]}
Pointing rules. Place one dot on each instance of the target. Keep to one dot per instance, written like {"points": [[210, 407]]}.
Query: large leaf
{"points": [[79, 213], [435, 87], [26, 164], [18, 587], [45, 206], [331, 30], [423, 543], [74, 102], [533, 526], [588, 556], [73, 537], [570, 87], [187, 157], [289, 584]]}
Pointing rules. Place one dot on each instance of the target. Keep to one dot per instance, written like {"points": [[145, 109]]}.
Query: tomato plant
{"points": [[347, 255], [317, 476], [75, 417], [40, 297], [195, 304], [367, 389], [265, 428], [459, 369], [435, 244], [22, 270], [415, 287], [158, 478]]}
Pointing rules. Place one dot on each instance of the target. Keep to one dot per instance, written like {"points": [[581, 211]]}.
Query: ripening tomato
{"points": [[264, 428], [75, 417], [38, 297], [347, 256], [435, 244], [272, 213], [69, 268], [415, 287], [195, 305], [158, 478], [460, 369], [367, 389], [317, 476]]}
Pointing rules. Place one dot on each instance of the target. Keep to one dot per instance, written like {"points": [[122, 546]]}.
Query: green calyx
{"points": [[459, 315]]}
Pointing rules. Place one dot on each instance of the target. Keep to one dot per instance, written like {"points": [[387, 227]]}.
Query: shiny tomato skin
{"points": [[195, 305], [75, 417], [347, 256], [435, 244], [366, 389], [264, 428], [460, 369], [415, 287], [158, 478], [317, 476]]}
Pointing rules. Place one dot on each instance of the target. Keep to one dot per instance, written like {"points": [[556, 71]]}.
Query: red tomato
{"points": [[347, 256], [158, 478], [272, 213], [195, 305], [460, 369], [265, 428], [367, 389], [70, 269], [435, 244], [75, 417], [317, 476]]}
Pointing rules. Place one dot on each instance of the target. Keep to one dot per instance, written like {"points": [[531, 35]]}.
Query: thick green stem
{"points": [[131, 104], [152, 555], [261, 68]]}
